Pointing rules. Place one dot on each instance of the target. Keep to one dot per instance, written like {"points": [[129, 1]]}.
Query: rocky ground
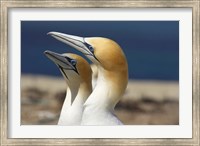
{"points": [[145, 102]]}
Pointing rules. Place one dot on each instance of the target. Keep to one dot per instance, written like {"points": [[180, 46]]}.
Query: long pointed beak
{"points": [[73, 41], [59, 60]]}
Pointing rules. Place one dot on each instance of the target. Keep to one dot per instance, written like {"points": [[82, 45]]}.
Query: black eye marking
{"points": [[91, 50], [89, 47], [72, 61]]}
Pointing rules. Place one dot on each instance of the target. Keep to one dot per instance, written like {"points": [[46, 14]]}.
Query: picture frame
{"points": [[5, 5]]}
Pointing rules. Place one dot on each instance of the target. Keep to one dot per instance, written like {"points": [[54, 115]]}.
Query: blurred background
{"points": [[152, 51]]}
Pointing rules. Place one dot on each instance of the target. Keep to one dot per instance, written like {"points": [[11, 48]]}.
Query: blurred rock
{"points": [[145, 102], [60, 96]]}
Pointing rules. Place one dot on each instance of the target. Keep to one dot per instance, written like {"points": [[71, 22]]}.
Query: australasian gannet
{"points": [[112, 77], [77, 73]]}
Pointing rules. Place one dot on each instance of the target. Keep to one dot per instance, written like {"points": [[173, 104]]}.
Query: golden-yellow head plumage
{"points": [[83, 68], [112, 61], [108, 52]]}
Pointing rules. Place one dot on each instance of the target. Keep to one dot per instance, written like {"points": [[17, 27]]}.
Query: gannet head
{"points": [[103, 52], [111, 63], [75, 70]]}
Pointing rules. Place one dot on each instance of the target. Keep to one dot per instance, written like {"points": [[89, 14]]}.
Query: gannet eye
{"points": [[91, 49], [73, 62]]}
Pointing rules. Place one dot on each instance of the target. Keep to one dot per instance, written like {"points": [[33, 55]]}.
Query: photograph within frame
{"points": [[151, 49]]}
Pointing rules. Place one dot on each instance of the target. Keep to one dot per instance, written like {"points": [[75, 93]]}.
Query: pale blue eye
{"points": [[73, 62], [91, 49]]}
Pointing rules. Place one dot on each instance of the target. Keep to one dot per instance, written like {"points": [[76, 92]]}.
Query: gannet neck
{"points": [[72, 114], [64, 118], [99, 97], [84, 91], [99, 107], [109, 89], [117, 80]]}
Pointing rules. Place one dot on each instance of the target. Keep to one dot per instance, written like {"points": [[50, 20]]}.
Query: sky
{"points": [[151, 47]]}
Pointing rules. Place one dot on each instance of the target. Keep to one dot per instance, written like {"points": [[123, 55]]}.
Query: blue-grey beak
{"points": [[63, 62], [76, 42]]}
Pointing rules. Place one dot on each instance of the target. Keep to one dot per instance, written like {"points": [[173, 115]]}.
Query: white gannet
{"points": [[78, 76], [112, 80]]}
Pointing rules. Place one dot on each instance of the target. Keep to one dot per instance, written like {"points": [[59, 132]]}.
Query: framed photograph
{"points": [[159, 103]]}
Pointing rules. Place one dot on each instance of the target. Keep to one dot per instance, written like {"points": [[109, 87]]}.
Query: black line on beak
{"points": [[76, 70], [63, 71]]}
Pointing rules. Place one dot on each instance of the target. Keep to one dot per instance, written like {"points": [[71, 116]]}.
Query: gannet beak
{"points": [[76, 42], [63, 62]]}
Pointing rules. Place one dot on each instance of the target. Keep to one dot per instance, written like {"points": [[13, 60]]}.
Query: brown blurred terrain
{"points": [[145, 102]]}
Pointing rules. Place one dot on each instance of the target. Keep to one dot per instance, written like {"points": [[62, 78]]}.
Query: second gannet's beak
{"points": [[63, 62], [76, 42]]}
